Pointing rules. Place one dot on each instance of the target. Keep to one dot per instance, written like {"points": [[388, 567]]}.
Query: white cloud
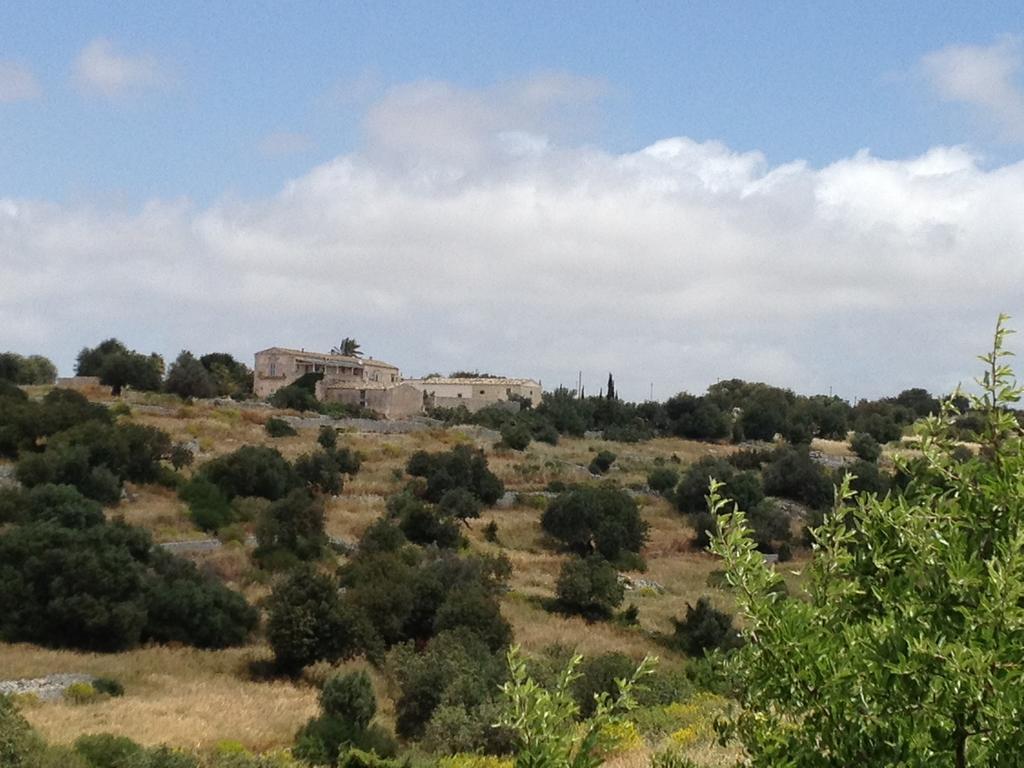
{"points": [[470, 233], [987, 78], [101, 69], [17, 83]]}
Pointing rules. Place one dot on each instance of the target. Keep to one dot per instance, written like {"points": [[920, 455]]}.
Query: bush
{"points": [[602, 462], [461, 467], [602, 519], [350, 698], [188, 378], [328, 438], [663, 480], [742, 487], [865, 446], [19, 744], [589, 587], [294, 526], [705, 628], [108, 686], [119, 367], [516, 435], [104, 750], [455, 669], [421, 522], [81, 693], [125, 591], [598, 675], [308, 622], [252, 471], [320, 472], [295, 398], [208, 507], [276, 427], [793, 474], [491, 532], [34, 369]]}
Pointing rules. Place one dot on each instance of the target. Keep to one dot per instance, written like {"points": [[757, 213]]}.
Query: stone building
{"points": [[475, 393], [278, 367]]}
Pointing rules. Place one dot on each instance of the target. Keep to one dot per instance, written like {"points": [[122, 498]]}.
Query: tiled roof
{"points": [[327, 357]]}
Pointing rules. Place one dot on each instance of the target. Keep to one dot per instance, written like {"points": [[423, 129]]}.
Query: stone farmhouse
{"points": [[475, 393], [379, 386]]}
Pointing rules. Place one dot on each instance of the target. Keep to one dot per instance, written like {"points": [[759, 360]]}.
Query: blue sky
{"points": [[811, 80], [676, 192]]}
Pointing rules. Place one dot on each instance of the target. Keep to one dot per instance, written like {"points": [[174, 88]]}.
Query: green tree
{"points": [[188, 378], [907, 650], [589, 586], [865, 446], [601, 518]]}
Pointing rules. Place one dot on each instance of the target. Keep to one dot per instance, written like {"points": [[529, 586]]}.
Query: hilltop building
{"points": [[477, 392], [379, 386]]}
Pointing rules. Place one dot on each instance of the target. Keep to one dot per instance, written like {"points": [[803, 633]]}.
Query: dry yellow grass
{"points": [[177, 696], [160, 511]]}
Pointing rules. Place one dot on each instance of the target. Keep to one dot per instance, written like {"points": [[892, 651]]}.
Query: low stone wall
{"points": [[49, 688]]}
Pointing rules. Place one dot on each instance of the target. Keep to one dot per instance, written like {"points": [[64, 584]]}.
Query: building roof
{"points": [[328, 357], [476, 381]]}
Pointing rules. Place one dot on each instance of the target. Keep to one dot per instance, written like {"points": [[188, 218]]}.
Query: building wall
{"points": [[478, 390], [277, 368], [392, 402]]}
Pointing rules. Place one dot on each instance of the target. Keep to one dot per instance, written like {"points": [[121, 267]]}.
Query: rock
{"points": [[49, 688]]}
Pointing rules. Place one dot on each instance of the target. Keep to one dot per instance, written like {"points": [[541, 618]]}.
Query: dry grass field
{"points": [[194, 699]]}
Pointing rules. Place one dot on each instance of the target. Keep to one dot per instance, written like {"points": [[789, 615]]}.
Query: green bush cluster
{"points": [[31, 369]]}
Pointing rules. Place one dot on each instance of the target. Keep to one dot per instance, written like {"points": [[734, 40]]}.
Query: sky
{"points": [[823, 196]]}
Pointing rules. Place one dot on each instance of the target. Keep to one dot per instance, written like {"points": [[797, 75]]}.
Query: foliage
{"points": [[461, 467], [96, 457], [119, 367], [228, 376], [347, 707], [602, 519], [33, 369], [907, 648], [208, 507], [423, 523], [865, 446], [307, 621], [743, 487], [18, 742], [589, 586], [276, 427], [124, 591], [541, 717], [188, 378], [704, 628], [663, 480], [456, 669], [291, 528], [793, 474], [516, 435], [295, 398], [320, 472], [108, 686], [252, 471], [602, 462]]}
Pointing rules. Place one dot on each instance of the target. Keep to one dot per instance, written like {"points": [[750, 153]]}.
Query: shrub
{"points": [[350, 697], [598, 676], [742, 487], [906, 594], [421, 522], [602, 462], [705, 628], [125, 591], [531, 710], [460, 504], [19, 744], [865, 446], [81, 693], [328, 438], [491, 532], [276, 427], [793, 474], [320, 472], [602, 519], [750, 458], [251, 471], [292, 525], [455, 669], [308, 622], [516, 435], [108, 686], [295, 398], [590, 587], [662, 480], [188, 378], [461, 467], [208, 507], [104, 750], [180, 456]]}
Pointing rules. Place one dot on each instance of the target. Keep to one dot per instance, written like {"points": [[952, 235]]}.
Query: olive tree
{"points": [[908, 649]]}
